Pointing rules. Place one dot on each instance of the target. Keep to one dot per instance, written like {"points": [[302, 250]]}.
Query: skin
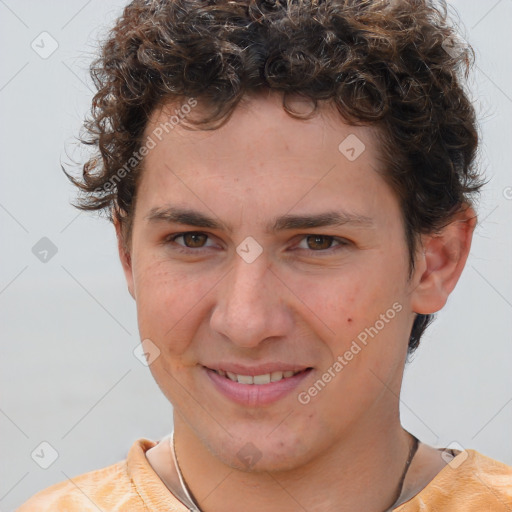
{"points": [[289, 305]]}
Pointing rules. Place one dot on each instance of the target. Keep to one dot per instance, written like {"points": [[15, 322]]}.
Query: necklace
{"points": [[412, 452], [194, 507]]}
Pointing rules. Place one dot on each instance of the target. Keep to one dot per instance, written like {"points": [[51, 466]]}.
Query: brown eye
{"points": [[194, 240], [321, 242]]}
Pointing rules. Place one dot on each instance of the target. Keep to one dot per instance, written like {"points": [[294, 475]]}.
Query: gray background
{"points": [[68, 326]]}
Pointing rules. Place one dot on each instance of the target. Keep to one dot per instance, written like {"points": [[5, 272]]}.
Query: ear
{"points": [[124, 256], [440, 262]]}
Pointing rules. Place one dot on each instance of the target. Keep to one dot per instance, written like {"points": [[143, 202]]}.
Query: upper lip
{"points": [[260, 369]]}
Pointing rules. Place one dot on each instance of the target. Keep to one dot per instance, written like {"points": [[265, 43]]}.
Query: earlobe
{"points": [[124, 256], [441, 262]]}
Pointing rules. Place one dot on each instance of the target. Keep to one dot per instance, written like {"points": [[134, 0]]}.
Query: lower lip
{"points": [[256, 394]]}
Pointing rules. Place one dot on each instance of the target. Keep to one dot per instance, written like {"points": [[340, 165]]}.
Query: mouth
{"points": [[257, 390], [265, 378]]}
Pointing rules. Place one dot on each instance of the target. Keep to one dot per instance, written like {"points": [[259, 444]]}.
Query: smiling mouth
{"points": [[265, 378]]}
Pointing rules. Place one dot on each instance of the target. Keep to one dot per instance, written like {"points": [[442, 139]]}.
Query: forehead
{"points": [[261, 158], [260, 121]]}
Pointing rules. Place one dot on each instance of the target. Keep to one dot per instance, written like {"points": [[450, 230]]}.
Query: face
{"points": [[239, 265]]}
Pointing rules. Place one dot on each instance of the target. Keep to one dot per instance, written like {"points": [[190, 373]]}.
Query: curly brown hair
{"points": [[388, 63]]}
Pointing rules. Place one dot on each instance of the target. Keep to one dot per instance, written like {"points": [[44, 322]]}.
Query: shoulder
{"points": [[469, 482], [488, 477], [83, 493], [109, 488]]}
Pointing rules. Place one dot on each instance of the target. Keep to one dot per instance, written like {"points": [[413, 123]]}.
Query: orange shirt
{"points": [[478, 484]]}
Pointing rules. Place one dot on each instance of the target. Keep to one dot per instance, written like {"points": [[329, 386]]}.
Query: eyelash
{"points": [[188, 250]]}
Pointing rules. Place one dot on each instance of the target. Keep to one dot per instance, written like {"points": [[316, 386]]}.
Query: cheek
{"points": [[164, 299], [332, 295], [344, 303], [369, 294], [365, 310]]}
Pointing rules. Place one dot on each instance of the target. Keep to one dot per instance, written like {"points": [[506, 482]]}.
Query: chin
{"points": [[259, 451]]}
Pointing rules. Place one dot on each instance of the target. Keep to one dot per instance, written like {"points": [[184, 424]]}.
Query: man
{"points": [[291, 189]]}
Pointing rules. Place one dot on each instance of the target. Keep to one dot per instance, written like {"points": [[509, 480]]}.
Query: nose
{"points": [[251, 305]]}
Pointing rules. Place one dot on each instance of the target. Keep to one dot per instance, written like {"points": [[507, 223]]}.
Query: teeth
{"points": [[231, 376], [257, 379], [275, 376], [261, 379], [245, 379]]}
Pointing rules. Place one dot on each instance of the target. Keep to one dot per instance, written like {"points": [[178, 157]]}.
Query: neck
{"points": [[360, 472]]}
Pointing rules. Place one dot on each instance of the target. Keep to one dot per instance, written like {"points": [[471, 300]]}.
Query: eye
{"points": [[192, 240], [322, 243]]}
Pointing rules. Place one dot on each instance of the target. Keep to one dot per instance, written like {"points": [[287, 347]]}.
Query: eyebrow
{"points": [[187, 216]]}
